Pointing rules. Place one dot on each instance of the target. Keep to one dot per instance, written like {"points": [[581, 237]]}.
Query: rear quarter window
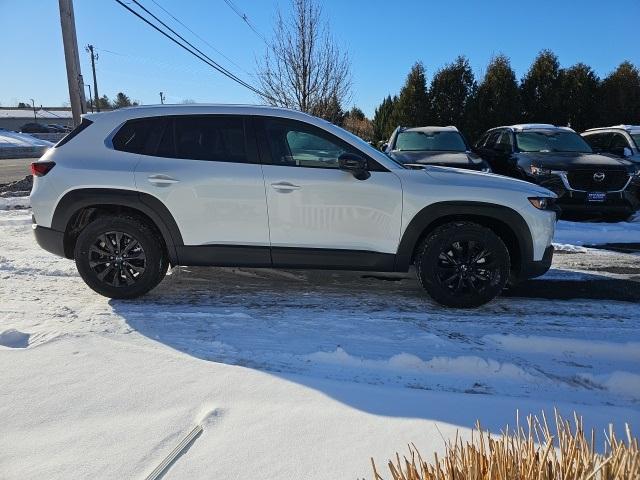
{"points": [[139, 135], [73, 133]]}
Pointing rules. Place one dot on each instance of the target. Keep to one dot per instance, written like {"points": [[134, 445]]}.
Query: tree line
{"points": [[121, 100], [573, 96]]}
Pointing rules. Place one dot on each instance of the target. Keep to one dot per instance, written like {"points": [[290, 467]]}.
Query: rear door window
{"points": [[202, 137], [618, 143], [493, 139], [599, 141], [505, 142]]}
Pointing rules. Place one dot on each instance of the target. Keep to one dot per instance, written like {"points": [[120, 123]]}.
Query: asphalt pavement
{"points": [[14, 169]]}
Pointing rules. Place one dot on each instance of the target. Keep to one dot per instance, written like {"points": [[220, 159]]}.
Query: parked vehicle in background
{"points": [[443, 146], [56, 128], [34, 127], [620, 140], [133, 190], [587, 183]]}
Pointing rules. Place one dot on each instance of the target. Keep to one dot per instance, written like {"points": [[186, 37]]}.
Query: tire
{"points": [[120, 256], [451, 269]]}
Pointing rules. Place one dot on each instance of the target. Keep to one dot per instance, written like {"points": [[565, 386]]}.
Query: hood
{"points": [[453, 159], [575, 160], [459, 177]]}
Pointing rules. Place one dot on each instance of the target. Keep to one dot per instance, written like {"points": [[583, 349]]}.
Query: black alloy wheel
{"points": [[121, 256], [117, 259], [466, 266], [462, 264]]}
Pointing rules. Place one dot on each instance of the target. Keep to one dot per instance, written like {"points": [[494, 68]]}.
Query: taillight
{"points": [[40, 169]]}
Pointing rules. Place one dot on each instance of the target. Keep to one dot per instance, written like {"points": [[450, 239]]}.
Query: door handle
{"points": [[161, 180], [285, 187]]}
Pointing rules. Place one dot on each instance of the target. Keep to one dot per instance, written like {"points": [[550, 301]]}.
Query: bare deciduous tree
{"points": [[303, 68]]}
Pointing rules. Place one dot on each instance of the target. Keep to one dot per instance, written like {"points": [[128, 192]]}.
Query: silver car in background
{"points": [[620, 140]]}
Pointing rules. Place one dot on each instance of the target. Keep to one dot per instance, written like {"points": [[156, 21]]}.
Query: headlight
{"points": [[542, 203], [539, 171]]}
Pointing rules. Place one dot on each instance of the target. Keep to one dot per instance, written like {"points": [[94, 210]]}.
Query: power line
{"points": [[238, 79], [200, 38], [203, 57], [246, 20]]}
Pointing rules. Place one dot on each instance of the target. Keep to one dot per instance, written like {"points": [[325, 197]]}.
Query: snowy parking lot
{"points": [[298, 374]]}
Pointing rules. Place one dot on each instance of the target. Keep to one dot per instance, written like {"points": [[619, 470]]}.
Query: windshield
{"points": [[415, 141], [636, 138], [551, 141]]}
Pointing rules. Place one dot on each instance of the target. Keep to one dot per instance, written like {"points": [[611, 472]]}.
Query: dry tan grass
{"points": [[540, 453]]}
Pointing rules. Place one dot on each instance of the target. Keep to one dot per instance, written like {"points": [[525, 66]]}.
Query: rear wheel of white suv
{"points": [[462, 264], [120, 256]]}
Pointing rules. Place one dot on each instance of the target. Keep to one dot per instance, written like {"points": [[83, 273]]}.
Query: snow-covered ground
{"points": [[293, 374], [596, 233]]}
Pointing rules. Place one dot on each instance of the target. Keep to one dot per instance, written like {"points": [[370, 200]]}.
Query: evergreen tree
{"points": [[496, 101], [384, 119], [122, 101], [580, 97], [451, 89], [541, 90], [104, 102], [330, 110], [621, 96], [355, 113], [412, 109]]}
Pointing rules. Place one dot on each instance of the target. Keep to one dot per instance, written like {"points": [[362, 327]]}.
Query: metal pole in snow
{"points": [[175, 453]]}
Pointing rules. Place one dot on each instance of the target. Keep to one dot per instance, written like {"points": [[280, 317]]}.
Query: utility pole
{"points": [[34, 110], [94, 57], [162, 98], [90, 97], [72, 60]]}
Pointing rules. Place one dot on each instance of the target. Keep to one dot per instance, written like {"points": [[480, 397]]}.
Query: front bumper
{"points": [[533, 269], [50, 240], [571, 201]]}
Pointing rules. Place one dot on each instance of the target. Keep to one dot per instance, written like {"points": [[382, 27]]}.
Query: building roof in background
{"points": [[27, 113]]}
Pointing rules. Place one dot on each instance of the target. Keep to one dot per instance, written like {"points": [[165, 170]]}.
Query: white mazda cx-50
{"points": [[131, 191]]}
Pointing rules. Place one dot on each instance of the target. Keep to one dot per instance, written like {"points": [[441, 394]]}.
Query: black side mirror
{"points": [[350, 162]]}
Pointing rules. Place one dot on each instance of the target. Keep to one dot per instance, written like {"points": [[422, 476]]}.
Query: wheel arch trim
{"points": [[431, 216], [75, 200]]}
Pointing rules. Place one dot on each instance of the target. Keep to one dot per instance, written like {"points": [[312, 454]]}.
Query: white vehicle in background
{"points": [[620, 140], [133, 190]]}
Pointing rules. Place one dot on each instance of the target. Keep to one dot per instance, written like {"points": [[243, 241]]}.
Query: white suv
{"points": [[131, 191]]}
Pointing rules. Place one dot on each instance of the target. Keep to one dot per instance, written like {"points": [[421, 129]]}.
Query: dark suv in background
{"points": [[443, 146], [587, 184]]}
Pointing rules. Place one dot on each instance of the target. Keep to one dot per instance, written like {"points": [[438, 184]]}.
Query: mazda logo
{"points": [[598, 176]]}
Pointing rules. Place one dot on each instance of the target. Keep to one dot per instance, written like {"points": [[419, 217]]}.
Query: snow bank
{"points": [[557, 345], [9, 203], [621, 383], [591, 233], [403, 363], [15, 145], [10, 139]]}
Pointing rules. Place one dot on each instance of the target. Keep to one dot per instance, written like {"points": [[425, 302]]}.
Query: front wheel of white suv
{"points": [[462, 264], [120, 256]]}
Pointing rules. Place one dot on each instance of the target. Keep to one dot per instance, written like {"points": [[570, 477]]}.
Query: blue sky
{"points": [[383, 39]]}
